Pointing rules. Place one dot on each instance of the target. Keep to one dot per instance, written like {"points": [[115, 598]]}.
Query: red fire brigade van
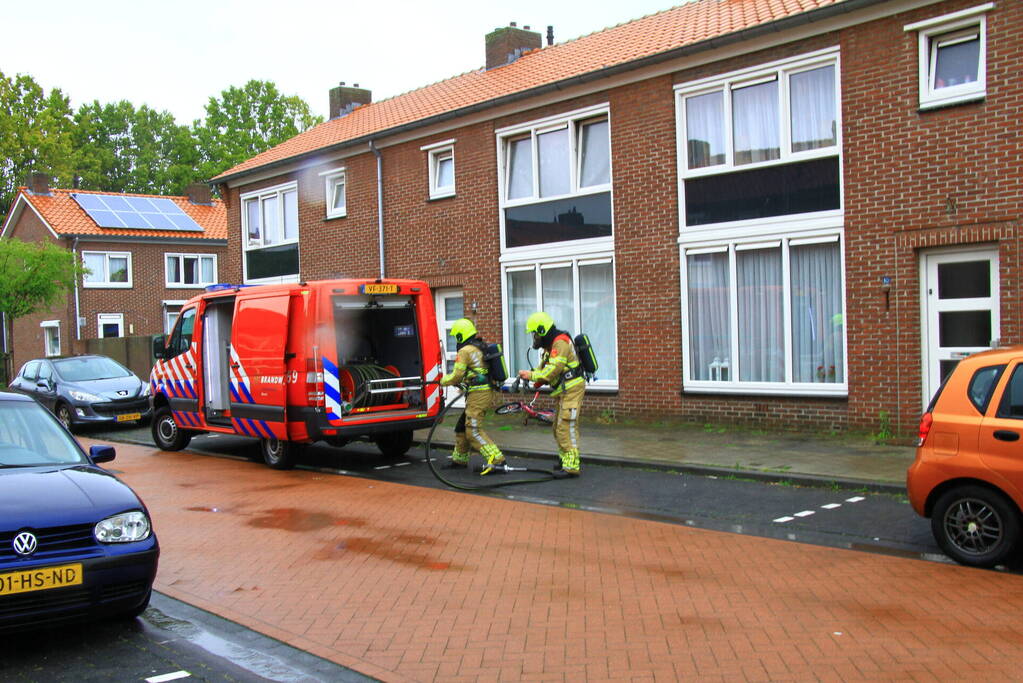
{"points": [[335, 360]]}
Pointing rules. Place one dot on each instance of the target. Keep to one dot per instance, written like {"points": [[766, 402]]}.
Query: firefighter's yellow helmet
{"points": [[463, 329], [539, 323]]}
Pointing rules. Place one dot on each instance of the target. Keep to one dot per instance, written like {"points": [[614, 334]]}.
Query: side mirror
{"points": [[43, 384], [160, 346], [102, 453]]}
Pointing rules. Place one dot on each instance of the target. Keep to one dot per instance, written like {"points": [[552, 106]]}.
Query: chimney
{"points": [[550, 36], [199, 193], [344, 99], [505, 45], [39, 183]]}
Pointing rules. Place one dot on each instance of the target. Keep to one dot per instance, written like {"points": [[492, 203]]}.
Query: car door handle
{"points": [[189, 366], [1006, 435]]}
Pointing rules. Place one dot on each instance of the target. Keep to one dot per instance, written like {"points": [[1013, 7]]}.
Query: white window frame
{"points": [[737, 241], [46, 326], [106, 284], [181, 258], [331, 179], [168, 322], [261, 195], [537, 265], [781, 70], [928, 31], [108, 318], [533, 129], [436, 153]]}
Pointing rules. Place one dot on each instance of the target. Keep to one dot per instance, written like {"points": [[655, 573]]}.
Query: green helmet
{"points": [[539, 323], [463, 329]]}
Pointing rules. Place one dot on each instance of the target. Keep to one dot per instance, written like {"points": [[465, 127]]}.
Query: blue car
{"points": [[75, 542]]}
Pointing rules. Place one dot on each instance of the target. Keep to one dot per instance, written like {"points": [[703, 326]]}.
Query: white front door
{"points": [[110, 324], [960, 309], [450, 307]]}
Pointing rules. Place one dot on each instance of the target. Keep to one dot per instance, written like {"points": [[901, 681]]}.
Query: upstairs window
{"points": [[556, 179], [270, 234], [107, 269], [761, 142], [441, 168], [952, 57], [336, 193], [190, 270]]}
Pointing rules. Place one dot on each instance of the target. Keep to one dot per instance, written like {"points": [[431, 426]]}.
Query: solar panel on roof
{"points": [[144, 213]]}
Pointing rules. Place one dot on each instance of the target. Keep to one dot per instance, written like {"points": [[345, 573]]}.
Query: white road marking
{"points": [[855, 499], [804, 513], [782, 520], [831, 506], [168, 677], [401, 464], [383, 467]]}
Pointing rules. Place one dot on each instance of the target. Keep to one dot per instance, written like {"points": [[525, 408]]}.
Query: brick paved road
{"points": [[406, 583]]}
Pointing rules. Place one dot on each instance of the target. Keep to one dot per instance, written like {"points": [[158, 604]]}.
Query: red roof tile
{"points": [[66, 217], [651, 35]]}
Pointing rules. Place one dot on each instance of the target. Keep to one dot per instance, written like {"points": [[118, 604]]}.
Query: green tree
{"points": [[33, 277], [119, 148], [35, 134], [245, 121]]}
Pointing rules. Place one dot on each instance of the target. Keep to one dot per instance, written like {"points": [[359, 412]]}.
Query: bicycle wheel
{"points": [[509, 408]]}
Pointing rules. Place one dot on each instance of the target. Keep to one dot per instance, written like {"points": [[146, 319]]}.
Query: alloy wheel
{"points": [[973, 526]]}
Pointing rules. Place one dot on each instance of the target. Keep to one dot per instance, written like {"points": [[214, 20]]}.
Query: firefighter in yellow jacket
{"points": [[560, 368], [470, 371]]}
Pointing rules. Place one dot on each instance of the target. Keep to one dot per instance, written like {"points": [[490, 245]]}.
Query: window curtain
{"points": [[818, 326], [597, 303], [521, 304], [755, 122], [291, 215], [761, 335], [709, 321], [97, 264], [596, 155], [705, 135], [558, 297], [207, 270], [520, 168], [812, 95], [552, 148]]}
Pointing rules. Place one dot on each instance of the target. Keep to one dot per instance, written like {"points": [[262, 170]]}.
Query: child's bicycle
{"points": [[541, 416]]}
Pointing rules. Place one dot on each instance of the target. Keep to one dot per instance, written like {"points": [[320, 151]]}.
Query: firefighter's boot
{"points": [[494, 456], [570, 462], [459, 459]]}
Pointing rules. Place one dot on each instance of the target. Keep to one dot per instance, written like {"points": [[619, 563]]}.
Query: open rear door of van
{"points": [[258, 390]]}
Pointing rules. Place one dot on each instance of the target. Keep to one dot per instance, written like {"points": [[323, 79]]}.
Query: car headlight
{"points": [[85, 396], [146, 390], [123, 528]]}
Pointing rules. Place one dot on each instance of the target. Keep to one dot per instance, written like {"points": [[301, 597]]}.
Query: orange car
{"points": [[968, 473]]}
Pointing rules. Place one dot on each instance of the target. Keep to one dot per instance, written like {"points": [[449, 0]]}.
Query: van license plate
{"points": [[40, 579], [379, 289], [128, 417]]}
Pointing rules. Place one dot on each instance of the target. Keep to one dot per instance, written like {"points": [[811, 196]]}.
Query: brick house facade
{"points": [[142, 298], [821, 270]]}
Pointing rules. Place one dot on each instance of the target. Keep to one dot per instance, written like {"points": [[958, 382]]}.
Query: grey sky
{"points": [[175, 55]]}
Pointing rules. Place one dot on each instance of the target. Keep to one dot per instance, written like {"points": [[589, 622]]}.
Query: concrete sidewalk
{"points": [[853, 461]]}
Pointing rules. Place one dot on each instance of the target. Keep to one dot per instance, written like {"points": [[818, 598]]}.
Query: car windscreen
{"points": [[89, 367], [31, 436]]}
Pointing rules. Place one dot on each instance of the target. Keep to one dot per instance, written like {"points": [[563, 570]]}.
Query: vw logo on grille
{"points": [[122, 392], [25, 543]]}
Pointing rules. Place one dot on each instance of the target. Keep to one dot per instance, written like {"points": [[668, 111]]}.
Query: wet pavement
{"points": [[407, 583]]}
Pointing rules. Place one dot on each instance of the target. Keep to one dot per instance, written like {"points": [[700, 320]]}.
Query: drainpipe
{"points": [[78, 315], [380, 203]]}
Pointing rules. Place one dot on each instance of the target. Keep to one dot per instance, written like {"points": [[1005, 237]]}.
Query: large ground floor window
{"points": [[765, 316], [578, 293]]}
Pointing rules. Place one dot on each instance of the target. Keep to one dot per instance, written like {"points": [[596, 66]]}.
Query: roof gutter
{"points": [[777, 26]]}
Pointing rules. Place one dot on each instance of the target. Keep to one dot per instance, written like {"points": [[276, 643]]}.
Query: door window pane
{"points": [[705, 134], [964, 328], [521, 304], [964, 280], [709, 320], [596, 154], [554, 168], [597, 302], [755, 122], [454, 308], [817, 320], [1011, 405], [813, 109], [761, 336], [520, 168]]}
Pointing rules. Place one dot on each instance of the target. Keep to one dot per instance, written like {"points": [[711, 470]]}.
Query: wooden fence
{"points": [[136, 353]]}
